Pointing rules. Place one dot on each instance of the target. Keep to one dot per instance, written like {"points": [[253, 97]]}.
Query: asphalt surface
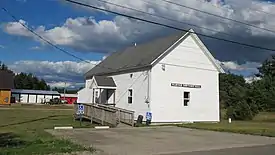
{"points": [[256, 150], [168, 141]]}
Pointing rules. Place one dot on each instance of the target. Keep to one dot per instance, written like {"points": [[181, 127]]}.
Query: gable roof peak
{"points": [[143, 55]]}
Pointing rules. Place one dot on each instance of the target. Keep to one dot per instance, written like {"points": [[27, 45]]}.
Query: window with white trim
{"points": [[186, 98], [130, 96]]}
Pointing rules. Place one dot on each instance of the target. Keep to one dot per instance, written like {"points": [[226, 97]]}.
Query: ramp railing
{"points": [[106, 115]]}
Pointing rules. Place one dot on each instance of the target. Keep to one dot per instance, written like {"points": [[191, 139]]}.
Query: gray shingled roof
{"points": [[134, 57], [104, 81], [38, 92]]}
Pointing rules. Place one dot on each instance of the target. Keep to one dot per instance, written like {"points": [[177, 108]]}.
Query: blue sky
{"points": [[91, 35], [48, 13]]}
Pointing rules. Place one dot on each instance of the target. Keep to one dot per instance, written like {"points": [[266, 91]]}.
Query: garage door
{"points": [[24, 98], [40, 98], [32, 98]]}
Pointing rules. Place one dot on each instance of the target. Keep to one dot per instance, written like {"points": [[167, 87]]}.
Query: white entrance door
{"points": [[96, 96]]}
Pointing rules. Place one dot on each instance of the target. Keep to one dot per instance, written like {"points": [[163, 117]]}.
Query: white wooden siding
{"points": [[186, 64], [189, 54], [111, 98], [85, 95], [139, 84]]}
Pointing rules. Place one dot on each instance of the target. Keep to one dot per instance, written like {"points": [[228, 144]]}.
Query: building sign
{"points": [[185, 85], [80, 109]]}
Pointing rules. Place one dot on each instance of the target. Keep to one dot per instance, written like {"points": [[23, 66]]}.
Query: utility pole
{"points": [[64, 91]]}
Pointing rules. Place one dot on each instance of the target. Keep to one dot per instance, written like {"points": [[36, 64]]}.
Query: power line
{"points": [[206, 3], [166, 18], [42, 38], [169, 19], [218, 16], [222, 8], [249, 9], [58, 48], [167, 26], [177, 10]]}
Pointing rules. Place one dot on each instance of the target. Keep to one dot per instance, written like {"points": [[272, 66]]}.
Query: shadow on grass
{"points": [[8, 140], [30, 121]]}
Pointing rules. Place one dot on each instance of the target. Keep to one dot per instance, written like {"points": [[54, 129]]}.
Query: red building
{"points": [[70, 98]]}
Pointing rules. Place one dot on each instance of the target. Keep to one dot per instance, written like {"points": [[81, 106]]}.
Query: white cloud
{"points": [[251, 79], [36, 48], [248, 66], [55, 73], [16, 28], [86, 33], [48, 67], [67, 84], [245, 10]]}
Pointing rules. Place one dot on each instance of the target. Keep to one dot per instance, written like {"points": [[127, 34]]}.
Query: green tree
{"points": [[29, 81], [267, 68], [234, 97], [5, 67], [263, 91], [26, 81]]}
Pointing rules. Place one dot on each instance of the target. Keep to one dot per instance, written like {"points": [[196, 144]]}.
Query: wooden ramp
{"points": [[106, 115]]}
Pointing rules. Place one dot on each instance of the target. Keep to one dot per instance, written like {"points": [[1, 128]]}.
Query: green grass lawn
{"points": [[41, 106], [263, 124], [22, 131]]}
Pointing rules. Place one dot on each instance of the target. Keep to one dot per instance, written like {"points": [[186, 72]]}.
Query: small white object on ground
{"points": [[229, 120], [65, 127], [102, 127]]}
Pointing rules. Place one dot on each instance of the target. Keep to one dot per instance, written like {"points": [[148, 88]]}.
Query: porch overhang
{"points": [[106, 87], [103, 82]]}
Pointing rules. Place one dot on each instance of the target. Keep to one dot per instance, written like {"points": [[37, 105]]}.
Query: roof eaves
{"points": [[120, 71], [206, 51]]}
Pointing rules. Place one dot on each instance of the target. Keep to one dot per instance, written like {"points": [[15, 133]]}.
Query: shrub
{"points": [[242, 110]]}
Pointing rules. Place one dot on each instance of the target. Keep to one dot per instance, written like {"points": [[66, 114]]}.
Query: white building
{"points": [[175, 78], [33, 96]]}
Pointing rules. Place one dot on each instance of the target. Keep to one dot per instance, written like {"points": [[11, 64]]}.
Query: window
{"points": [[130, 96], [186, 98], [163, 67], [96, 93]]}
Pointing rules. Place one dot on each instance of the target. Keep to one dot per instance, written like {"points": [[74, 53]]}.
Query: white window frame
{"points": [[130, 96], [186, 99]]}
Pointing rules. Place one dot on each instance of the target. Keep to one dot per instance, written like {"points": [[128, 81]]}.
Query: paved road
{"points": [[256, 150], [169, 141]]}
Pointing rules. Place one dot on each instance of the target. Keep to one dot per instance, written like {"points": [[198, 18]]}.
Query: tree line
{"points": [[29, 81], [242, 100], [26, 80]]}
